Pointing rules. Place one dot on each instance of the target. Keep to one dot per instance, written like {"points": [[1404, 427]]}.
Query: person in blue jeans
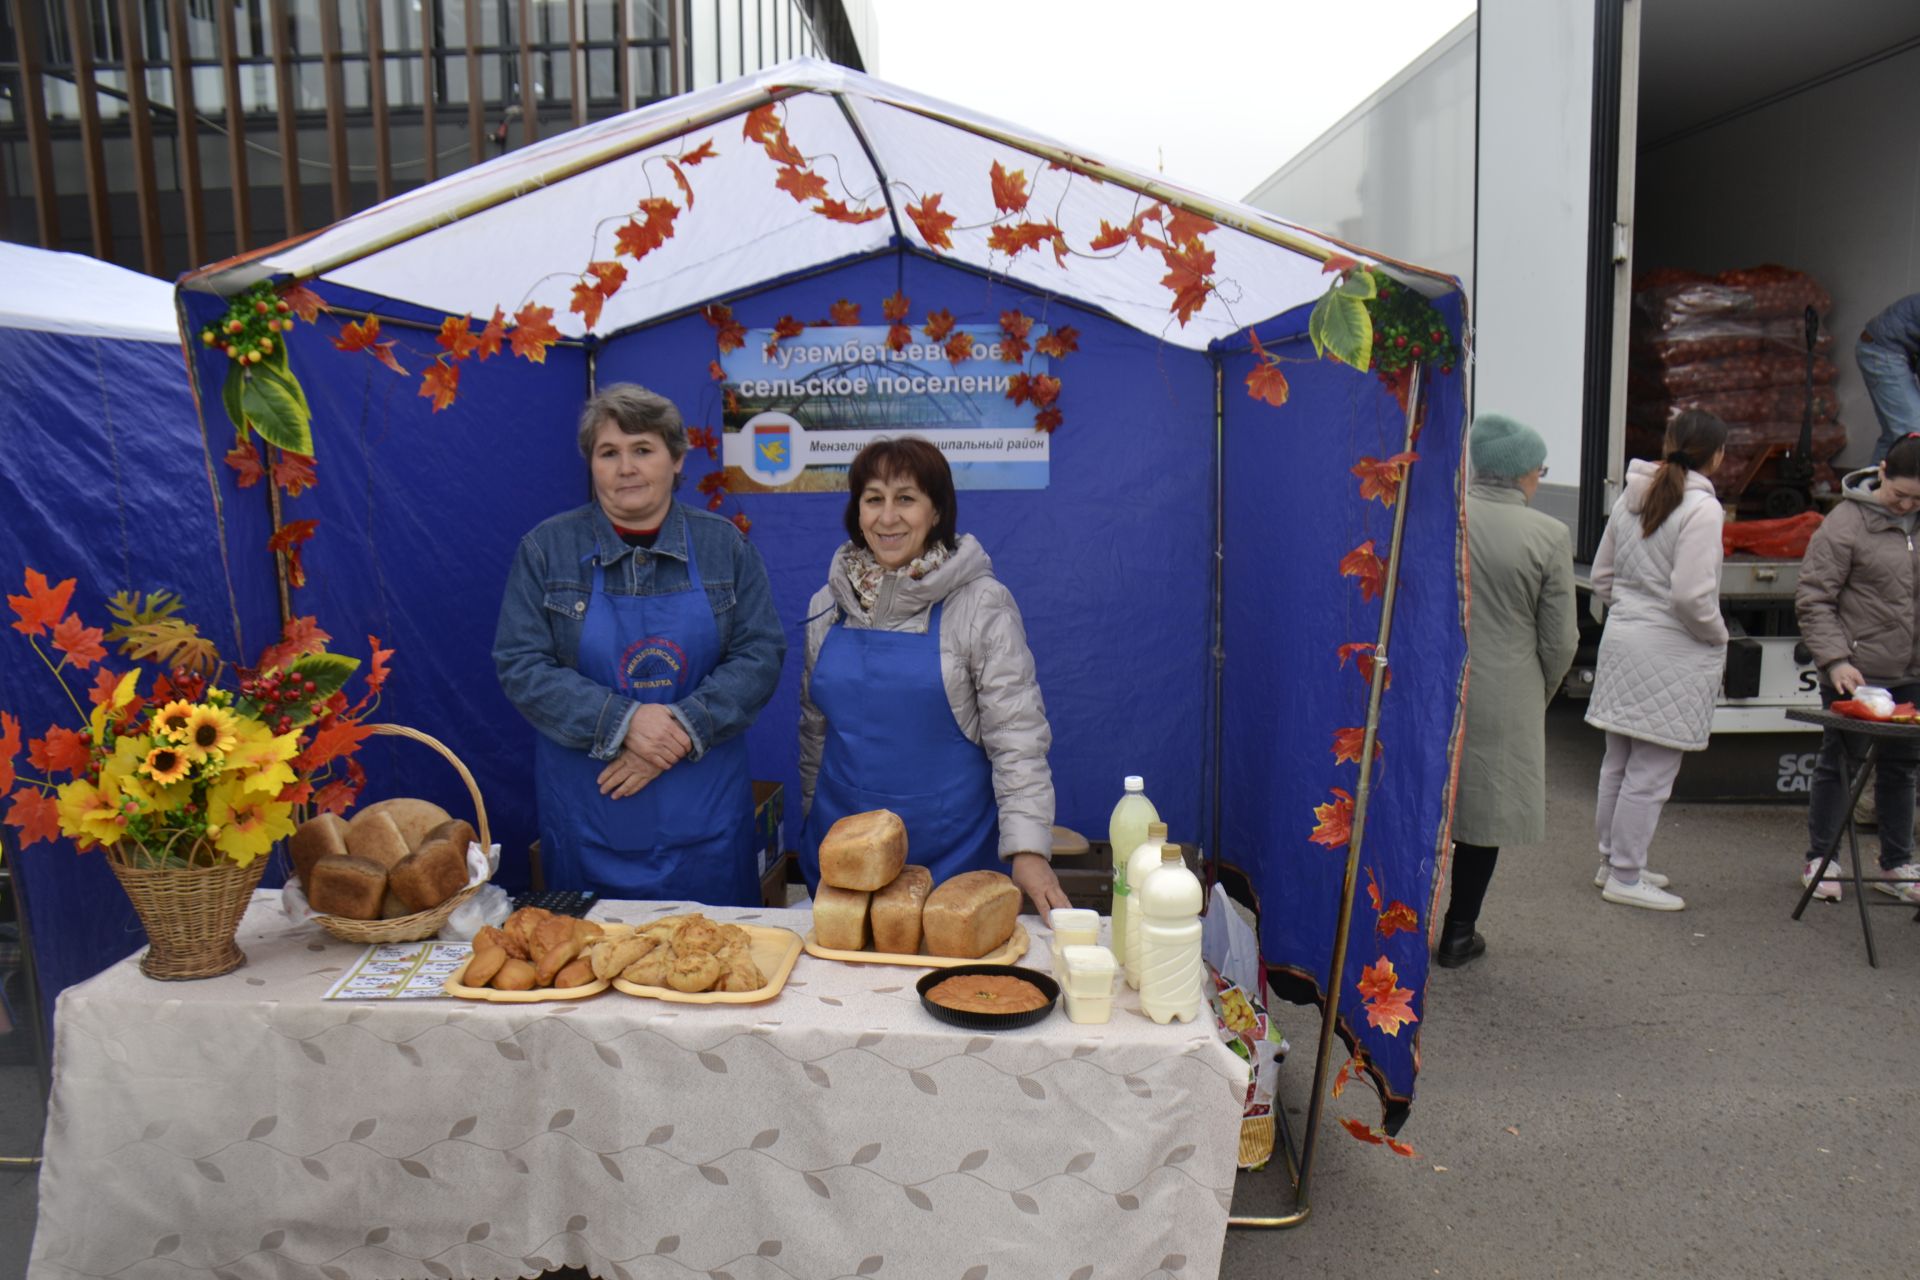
{"points": [[638, 636], [1888, 355]]}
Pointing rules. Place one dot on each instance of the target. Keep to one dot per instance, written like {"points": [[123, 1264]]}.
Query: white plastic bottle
{"points": [[1125, 830], [1168, 903], [1141, 863]]}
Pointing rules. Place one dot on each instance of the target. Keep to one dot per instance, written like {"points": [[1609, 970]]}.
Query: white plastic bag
{"points": [[1228, 943], [1878, 702], [490, 906]]}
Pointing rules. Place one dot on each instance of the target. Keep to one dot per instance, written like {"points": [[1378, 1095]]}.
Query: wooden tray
{"points": [[454, 987], [774, 950], [1010, 950]]}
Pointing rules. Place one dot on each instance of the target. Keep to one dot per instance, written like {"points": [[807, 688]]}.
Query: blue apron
{"points": [[688, 834], [892, 743]]}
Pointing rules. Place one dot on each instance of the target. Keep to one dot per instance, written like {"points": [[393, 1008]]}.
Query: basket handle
{"points": [[473, 788]]}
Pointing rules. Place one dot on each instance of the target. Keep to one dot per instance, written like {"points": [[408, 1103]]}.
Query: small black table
{"points": [[1855, 781]]}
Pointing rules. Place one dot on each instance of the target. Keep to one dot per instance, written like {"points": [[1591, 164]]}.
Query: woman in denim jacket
{"points": [[638, 635]]}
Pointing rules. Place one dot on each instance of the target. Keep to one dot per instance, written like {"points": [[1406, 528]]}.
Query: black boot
{"points": [[1458, 944]]}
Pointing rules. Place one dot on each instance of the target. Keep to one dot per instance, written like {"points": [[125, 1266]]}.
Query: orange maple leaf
{"points": [[1047, 420], [895, 307], [441, 382], [287, 541], [729, 334], [9, 748], [377, 670], [761, 122], [1020, 388], [1361, 1131], [456, 337], [488, 344], [1060, 343], [715, 372], [1369, 568], [802, 184], [704, 151], [1110, 236], [1381, 478], [1337, 262], [336, 797], [80, 643], [608, 277], [244, 458], [1266, 382], [35, 815], [587, 300], [301, 635], [705, 438], [1402, 1148], [1016, 323], [1009, 189], [844, 312], [1187, 228], [1013, 348], [1388, 1005], [1020, 236], [635, 239], [715, 483], [1398, 917], [959, 347], [1333, 821], [1348, 742], [331, 742], [899, 335], [839, 211], [365, 336], [740, 522], [293, 473], [299, 793], [533, 332], [305, 302], [1044, 388], [105, 682], [1373, 889], [1364, 664], [1349, 1070], [1188, 272], [680, 177], [61, 751], [1377, 980], [788, 327], [939, 325], [934, 225]]}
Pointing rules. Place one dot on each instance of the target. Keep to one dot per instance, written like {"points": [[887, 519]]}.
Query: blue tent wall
{"points": [[1293, 512], [1109, 564], [101, 463]]}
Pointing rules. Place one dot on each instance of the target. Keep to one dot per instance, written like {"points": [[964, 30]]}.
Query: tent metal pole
{"points": [[873, 158], [1330, 1015]]}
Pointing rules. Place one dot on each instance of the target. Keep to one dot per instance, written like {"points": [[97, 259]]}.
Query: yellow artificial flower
{"points": [[171, 720], [243, 826], [166, 764], [126, 772], [122, 695], [92, 814], [263, 757], [210, 729]]}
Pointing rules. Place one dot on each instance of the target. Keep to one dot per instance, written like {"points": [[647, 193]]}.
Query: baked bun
{"points": [[864, 851]]}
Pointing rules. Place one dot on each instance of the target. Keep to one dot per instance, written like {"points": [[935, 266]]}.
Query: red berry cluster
{"points": [[1406, 328], [281, 695], [246, 333]]}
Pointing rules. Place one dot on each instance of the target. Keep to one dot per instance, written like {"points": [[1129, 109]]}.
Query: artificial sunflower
{"points": [[167, 764], [172, 720], [210, 729], [244, 827]]}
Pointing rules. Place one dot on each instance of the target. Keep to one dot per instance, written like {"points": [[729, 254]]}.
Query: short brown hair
{"points": [[636, 411], [908, 458]]}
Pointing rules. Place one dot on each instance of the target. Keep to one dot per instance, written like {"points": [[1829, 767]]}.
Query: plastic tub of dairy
{"points": [[1087, 971], [1088, 1008], [1073, 927]]}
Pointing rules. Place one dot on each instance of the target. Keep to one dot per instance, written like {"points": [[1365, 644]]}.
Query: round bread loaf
{"points": [[413, 818]]}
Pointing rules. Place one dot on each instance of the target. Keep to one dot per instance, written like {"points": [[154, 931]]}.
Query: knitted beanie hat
{"points": [[1503, 448]]}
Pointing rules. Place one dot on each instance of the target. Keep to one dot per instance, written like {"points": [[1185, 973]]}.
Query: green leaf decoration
{"points": [[276, 407], [1341, 326], [230, 397], [1357, 284], [328, 671]]}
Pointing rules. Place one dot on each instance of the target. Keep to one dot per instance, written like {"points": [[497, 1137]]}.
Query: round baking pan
{"points": [[989, 1021]]}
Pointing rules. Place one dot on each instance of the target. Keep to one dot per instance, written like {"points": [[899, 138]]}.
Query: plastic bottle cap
{"points": [[1135, 782], [1156, 831], [1170, 853]]}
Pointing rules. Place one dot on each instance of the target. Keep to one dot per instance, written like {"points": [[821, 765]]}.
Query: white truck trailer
{"points": [[1547, 152]]}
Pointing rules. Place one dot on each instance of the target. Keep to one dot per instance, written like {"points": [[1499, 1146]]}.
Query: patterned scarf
{"points": [[865, 573]]}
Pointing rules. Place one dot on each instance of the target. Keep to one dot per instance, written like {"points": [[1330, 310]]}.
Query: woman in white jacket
{"points": [[1663, 651]]}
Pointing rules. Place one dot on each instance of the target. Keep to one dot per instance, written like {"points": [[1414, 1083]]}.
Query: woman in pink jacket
{"points": [[1663, 651]]}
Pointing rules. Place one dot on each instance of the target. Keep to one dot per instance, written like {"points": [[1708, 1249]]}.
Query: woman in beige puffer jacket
{"points": [[1859, 607]]}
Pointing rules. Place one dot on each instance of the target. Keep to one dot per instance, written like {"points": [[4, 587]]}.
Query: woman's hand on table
{"points": [[1846, 678], [625, 775], [656, 737], [1034, 874]]}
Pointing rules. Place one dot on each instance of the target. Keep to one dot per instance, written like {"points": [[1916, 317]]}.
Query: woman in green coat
{"points": [[1520, 642]]}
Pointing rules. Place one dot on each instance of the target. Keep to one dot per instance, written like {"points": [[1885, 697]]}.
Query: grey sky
{"points": [[1218, 93]]}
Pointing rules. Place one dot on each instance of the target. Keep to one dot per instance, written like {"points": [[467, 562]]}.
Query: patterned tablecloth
{"points": [[244, 1127]]}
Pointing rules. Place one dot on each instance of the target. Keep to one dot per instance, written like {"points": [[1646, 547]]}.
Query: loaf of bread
{"points": [[970, 915], [392, 907], [349, 887], [895, 911], [437, 869], [414, 818], [376, 839], [864, 851], [316, 838], [840, 918]]}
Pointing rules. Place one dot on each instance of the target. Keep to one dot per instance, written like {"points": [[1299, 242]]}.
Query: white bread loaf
{"points": [[895, 912], [864, 851], [970, 915], [840, 918]]}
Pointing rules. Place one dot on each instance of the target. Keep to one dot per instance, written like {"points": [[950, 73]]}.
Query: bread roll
{"points": [[392, 907], [413, 818], [578, 973], [436, 870], [352, 888], [316, 838], [515, 975], [864, 851], [840, 918], [895, 912], [376, 840], [970, 915]]}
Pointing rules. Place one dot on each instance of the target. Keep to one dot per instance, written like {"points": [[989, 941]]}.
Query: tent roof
{"points": [[67, 293], [521, 228]]}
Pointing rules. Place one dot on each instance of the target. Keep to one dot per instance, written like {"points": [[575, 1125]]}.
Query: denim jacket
{"points": [[537, 643]]}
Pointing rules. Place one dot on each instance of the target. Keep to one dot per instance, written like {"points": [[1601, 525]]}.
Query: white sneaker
{"points": [[1653, 878], [1908, 887], [1828, 890], [1644, 894]]}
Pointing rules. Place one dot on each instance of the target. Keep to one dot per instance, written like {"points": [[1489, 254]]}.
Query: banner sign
{"points": [[801, 410]]}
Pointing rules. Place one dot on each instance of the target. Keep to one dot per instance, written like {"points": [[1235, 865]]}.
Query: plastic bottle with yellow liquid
{"points": [[1140, 864], [1126, 830], [1168, 901]]}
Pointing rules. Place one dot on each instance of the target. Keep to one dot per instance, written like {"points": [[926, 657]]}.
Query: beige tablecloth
{"points": [[243, 1127]]}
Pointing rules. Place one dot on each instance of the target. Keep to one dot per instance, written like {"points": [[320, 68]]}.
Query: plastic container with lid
{"points": [[1073, 927], [1125, 830], [1087, 981]]}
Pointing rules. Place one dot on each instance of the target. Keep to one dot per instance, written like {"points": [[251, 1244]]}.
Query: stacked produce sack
{"points": [[1735, 346]]}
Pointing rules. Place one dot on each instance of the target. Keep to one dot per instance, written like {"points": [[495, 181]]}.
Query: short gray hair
{"points": [[636, 411]]}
